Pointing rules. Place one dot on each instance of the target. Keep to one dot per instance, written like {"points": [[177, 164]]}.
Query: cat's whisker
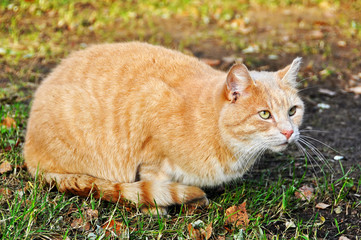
{"points": [[317, 153], [247, 156], [242, 152], [304, 79], [309, 157], [313, 130], [304, 89], [324, 144], [256, 154]]}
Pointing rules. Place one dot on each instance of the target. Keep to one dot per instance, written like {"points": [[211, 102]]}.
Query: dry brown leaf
{"points": [[5, 167], [9, 122], [343, 238], [209, 231], [5, 192], [316, 34], [77, 223], [56, 236], [81, 224], [342, 43], [237, 215], [199, 233], [355, 90], [322, 205], [194, 233], [91, 214], [113, 226], [305, 193], [211, 62]]}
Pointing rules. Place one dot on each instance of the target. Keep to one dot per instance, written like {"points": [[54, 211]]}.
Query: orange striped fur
{"points": [[151, 125]]}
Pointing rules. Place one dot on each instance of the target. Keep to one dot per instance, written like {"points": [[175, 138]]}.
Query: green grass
{"points": [[35, 35]]}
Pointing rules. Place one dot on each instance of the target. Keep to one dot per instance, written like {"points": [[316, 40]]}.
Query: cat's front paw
{"points": [[198, 203]]}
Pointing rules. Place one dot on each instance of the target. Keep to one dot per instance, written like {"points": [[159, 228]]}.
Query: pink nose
{"points": [[287, 133]]}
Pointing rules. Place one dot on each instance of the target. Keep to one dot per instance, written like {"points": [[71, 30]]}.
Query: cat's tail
{"points": [[150, 193]]}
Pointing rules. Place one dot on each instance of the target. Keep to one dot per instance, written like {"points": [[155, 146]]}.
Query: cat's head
{"points": [[263, 110]]}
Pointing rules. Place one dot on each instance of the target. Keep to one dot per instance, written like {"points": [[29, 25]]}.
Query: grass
{"points": [[35, 35]]}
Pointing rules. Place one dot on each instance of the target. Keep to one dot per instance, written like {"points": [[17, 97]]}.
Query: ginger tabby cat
{"points": [[151, 125]]}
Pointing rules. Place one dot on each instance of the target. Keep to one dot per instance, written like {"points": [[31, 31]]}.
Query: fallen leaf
{"points": [[290, 224], [211, 62], [341, 43], [7, 149], [327, 92], [305, 193], [5, 167], [197, 231], [320, 221], [315, 34], [229, 59], [323, 106], [194, 233], [9, 122], [338, 158], [343, 238], [91, 214], [253, 48], [113, 226], [338, 210], [5, 192], [57, 236], [355, 90], [237, 215], [273, 57], [209, 230], [322, 205], [80, 224]]}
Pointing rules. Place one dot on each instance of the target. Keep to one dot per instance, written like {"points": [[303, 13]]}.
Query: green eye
{"points": [[264, 114], [292, 111]]}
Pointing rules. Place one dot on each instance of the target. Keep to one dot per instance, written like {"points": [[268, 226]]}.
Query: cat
{"points": [[151, 125]]}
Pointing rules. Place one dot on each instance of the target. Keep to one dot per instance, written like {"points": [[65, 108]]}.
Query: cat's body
{"points": [[146, 123]]}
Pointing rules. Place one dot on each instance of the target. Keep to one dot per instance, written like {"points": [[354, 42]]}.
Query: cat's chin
{"points": [[279, 148]]}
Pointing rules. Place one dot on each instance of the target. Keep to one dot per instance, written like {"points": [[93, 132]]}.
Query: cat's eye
{"points": [[292, 111], [264, 114]]}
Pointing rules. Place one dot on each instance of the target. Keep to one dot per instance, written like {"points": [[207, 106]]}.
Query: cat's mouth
{"points": [[283, 144], [280, 147]]}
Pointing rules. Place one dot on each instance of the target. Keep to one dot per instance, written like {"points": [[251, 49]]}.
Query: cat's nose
{"points": [[287, 133]]}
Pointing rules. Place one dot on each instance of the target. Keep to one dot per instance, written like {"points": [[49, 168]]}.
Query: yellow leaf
{"points": [[5, 167], [9, 122]]}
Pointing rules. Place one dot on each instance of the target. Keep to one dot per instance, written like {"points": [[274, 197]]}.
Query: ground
{"points": [[265, 35]]}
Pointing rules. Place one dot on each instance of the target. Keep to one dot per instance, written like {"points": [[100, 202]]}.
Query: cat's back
{"points": [[130, 62]]}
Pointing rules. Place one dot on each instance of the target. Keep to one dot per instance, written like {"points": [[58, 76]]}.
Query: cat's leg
{"points": [[151, 173], [145, 193]]}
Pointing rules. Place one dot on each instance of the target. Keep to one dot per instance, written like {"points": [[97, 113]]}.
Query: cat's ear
{"points": [[238, 79], [289, 73]]}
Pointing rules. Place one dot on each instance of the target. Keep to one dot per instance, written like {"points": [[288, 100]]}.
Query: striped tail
{"points": [[150, 193]]}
